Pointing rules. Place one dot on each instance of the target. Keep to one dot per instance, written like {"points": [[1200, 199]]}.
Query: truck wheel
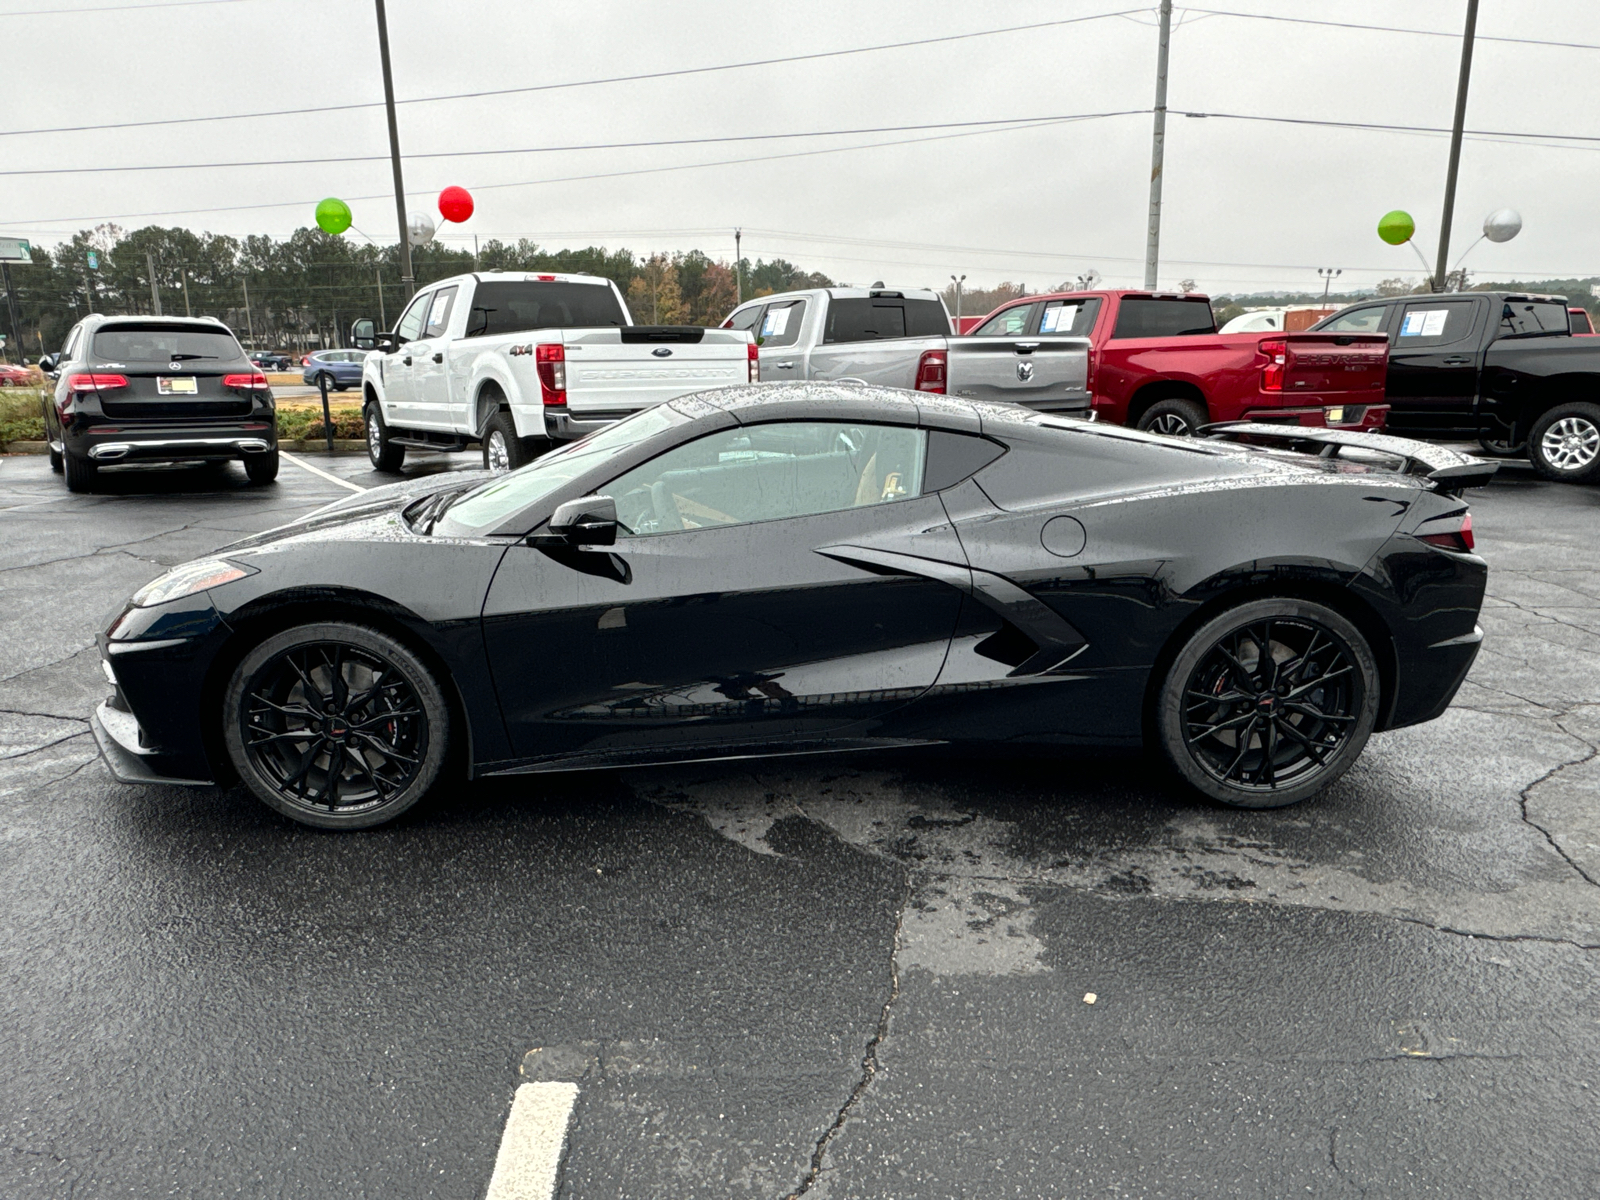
{"points": [[1564, 444], [1501, 446], [1176, 418], [503, 450], [80, 472], [385, 455]]}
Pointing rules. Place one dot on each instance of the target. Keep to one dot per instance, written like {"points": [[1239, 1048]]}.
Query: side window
{"points": [[439, 312], [1012, 322], [1535, 318], [746, 318], [1070, 318], [70, 347], [411, 324], [1357, 320], [1426, 323], [769, 472], [781, 324]]}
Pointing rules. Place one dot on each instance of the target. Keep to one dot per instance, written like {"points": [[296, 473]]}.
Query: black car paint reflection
{"points": [[943, 615]]}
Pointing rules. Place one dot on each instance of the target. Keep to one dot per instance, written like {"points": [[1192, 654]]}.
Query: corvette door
{"points": [[717, 620]]}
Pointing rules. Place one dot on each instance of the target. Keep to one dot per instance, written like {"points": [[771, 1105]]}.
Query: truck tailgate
{"points": [[1326, 363], [607, 374], [1042, 372]]}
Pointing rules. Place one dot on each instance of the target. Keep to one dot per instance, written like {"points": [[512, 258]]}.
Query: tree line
{"points": [[301, 292]]}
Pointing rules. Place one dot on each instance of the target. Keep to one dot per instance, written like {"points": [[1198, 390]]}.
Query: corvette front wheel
{"points": [[1268, 703]]}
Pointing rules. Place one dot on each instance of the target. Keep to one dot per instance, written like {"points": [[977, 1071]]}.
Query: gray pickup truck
{"points": [[901, 337]]}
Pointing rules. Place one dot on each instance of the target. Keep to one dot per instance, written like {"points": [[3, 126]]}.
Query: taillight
{"points": [[551, 358], [96, 383], [1457, 539], [930, 371], [755, 362], [1277, 353], [249, 383], [545, 278]]}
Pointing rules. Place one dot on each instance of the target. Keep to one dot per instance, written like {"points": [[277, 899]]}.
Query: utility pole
{"points": [[406, 277], [738, 269], [1439, 273], [155, 289], [383, 321], [183, 273], [1328, 275], [958, 283], [11, 305], [1158, 145], [250, 322], [474, 252]]}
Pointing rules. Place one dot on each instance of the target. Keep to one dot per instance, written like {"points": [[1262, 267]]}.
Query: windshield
{"points": [[514, 307], [163, 343], [489, 504]]}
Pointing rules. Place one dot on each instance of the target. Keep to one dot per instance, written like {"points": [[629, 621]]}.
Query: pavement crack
{"points": [[23, 712], [35, 750], [1522, 798], [869, 1058]]}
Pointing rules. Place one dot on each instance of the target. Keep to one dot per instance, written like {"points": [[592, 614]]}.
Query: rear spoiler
{"points": [[1450, 471]]}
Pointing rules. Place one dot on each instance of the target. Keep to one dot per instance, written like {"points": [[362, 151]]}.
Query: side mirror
{"points": [[386, 342], [586, 521], [47, 364], [364, 334]]}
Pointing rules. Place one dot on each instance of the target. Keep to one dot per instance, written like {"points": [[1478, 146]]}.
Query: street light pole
{"points": [[1158, 144], [738, 269], [1455, 145], [958, 283], [1328, 274], [406, 277]]}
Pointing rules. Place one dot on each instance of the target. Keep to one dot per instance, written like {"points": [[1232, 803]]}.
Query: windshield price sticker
{"points": [[1425, 323], [1058, 317], [777, 321]]}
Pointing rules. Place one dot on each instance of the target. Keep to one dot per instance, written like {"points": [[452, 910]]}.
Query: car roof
{"points": [[103, 319]]}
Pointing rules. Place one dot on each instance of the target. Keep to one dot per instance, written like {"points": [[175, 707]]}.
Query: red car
{"points": [[12, 375], [1156, 361]]}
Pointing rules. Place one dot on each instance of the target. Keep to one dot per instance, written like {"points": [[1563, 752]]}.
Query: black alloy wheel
{"points": [[1269, 703], [1175, 418], [336, 725]]}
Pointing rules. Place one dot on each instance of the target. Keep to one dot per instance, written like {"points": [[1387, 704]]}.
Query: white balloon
{"points": [[1503, 225], [419, 229]]}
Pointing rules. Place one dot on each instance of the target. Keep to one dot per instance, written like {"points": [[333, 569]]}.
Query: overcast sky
{"points": [[1248, 205]]}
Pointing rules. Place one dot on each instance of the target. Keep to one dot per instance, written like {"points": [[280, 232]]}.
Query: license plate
{"points": [[177, 385]]}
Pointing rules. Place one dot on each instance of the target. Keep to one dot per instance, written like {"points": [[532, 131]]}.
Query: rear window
{"points": [[1581, 322], [1534, 318], [1143, 317], [513, 307], [869, 319], [153, 342]]}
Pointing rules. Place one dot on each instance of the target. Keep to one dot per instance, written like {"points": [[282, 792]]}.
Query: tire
{"points": [[1564, 443], [1501, 447], [1208, 698], [262, 468], [348, 768], [1177, 418], [385, 455], [503, 450], [80, 472], [56, 461], [324, 379]]}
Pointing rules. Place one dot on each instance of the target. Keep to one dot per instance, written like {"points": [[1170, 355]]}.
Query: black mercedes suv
{"points": [[156, 389]]}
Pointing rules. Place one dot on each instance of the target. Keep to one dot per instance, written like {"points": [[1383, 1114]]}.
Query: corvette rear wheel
{"points": [[1268, 703], [336, 725]]}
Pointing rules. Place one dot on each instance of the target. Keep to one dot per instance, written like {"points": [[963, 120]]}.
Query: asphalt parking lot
{"points": [[886, 976]]}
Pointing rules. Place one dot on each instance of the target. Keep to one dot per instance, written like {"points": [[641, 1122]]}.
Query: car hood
{"points": [[339, 519]]}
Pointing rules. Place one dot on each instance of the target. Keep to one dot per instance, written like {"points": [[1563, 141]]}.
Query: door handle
{"points": [[438, 357], [408, 360], [783, 366], [1459, 360]]}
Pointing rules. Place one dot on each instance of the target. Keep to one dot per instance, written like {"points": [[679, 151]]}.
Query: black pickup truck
{"points": [[1500, 367]]}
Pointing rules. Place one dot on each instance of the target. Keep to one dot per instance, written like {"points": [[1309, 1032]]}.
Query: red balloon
{"points": [[455, 204]]}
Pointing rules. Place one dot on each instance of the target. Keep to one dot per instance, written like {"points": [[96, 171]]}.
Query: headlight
{"points": [[187, 580]]}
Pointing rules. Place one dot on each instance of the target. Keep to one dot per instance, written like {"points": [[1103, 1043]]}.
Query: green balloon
{"points": [[333, 216], [1396, 227]]}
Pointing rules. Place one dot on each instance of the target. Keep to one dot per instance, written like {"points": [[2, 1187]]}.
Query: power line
{"points": [[1022, 122], [1219, 12], [59, 12], [578, 83], [1507, 136]]}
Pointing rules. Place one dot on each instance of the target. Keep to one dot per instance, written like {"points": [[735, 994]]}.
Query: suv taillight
{"points": [[930, 371], [96, 383], [253, 382], [755, 363], [1459, 540], [1277, 352], [551, 359]]}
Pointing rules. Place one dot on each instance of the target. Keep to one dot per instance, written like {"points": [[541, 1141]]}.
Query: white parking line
{"points": [[530, 1148], [305, 466]]}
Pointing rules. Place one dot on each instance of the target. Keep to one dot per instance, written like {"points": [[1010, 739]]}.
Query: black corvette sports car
{"points": [[777, 569]]}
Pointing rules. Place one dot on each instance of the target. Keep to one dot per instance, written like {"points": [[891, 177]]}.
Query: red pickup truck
{"points": [[1156, 361]]}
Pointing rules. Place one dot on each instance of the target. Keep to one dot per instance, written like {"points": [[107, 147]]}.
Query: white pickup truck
{"points": [[902, 338], [518, 361]]}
